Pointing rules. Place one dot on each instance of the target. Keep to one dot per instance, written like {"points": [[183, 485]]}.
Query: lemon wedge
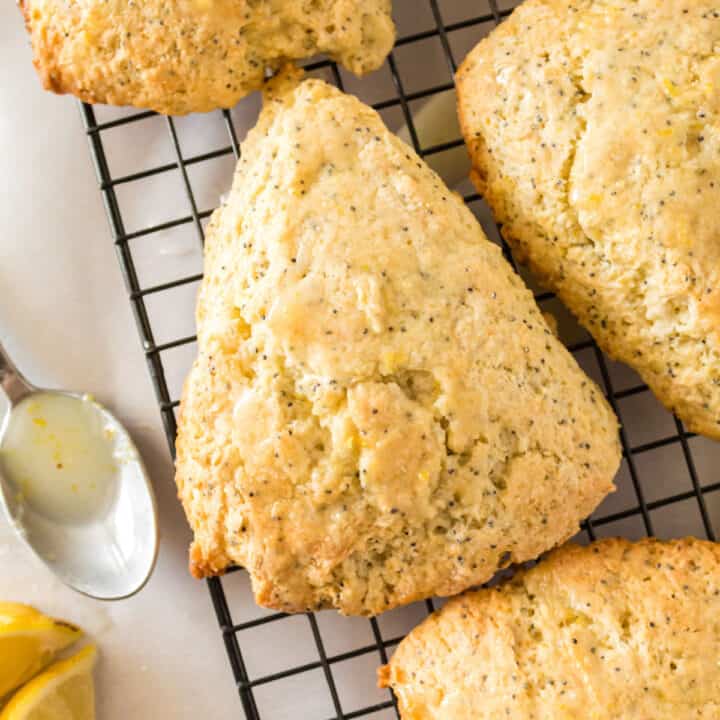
{"points": [[29, 641], [65, 691]]}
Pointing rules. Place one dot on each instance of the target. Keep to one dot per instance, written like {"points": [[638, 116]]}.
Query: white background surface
{"points": [[65, 318]]}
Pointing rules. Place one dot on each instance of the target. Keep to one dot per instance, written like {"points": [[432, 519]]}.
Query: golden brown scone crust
{"points": [[614, 631], [594, 132], [378, 411], [181, 56]]}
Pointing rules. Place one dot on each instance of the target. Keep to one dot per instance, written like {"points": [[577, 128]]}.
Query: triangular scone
{"points": [[181, 56], [378, 411], [613, 631], [593, 127]]}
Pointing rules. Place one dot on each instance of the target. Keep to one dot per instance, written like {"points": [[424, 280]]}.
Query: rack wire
{"points": [[322, 665]]}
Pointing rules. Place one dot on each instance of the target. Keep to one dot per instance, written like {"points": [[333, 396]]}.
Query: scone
{"points": [[181, 56], [378, 411], [594, 132], [614, 631]]}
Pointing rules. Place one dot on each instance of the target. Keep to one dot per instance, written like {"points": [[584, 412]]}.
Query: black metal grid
{"points": [[639, 508]]}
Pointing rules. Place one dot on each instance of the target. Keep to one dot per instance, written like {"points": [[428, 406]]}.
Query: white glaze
{"points": [[58, 455]]}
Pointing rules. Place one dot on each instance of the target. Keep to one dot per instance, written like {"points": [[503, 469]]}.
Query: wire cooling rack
{"points": [[160, 178]]}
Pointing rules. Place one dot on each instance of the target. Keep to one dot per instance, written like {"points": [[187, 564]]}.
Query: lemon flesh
{"points": [[65, 691], [29, 641]]}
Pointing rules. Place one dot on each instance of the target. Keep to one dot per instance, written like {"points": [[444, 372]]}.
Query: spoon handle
{"points": [[16, 387]]}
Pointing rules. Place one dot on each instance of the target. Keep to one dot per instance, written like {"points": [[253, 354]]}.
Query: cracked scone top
{"points": [[593, 130], [378, 411], [181, 56], [613, 631]]}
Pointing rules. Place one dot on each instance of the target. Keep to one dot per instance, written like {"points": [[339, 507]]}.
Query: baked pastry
{"points": [[181, 56], [614, 631], [378, 411], [593, 128]]}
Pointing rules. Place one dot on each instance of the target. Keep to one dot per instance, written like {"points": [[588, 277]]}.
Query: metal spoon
{"points": [[75, 488]]}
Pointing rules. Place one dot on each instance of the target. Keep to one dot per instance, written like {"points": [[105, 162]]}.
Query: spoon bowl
{"points": [[75, 488]]}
